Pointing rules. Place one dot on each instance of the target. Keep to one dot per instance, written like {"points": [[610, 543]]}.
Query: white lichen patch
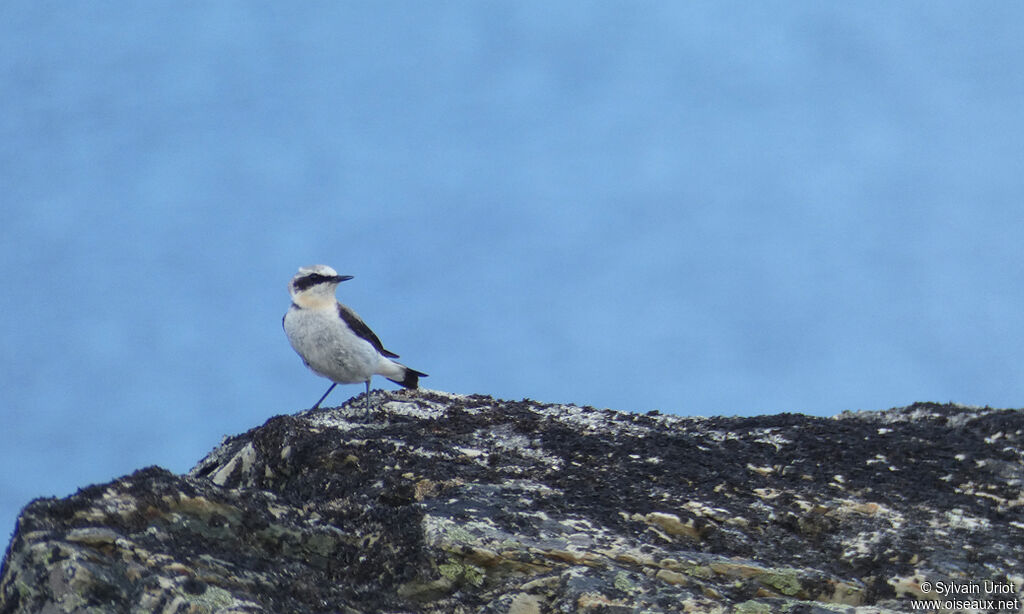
{"points": [[93, 536], [770, 436], [719, 436], [329, 420], [589, 420], [469, 452], [702, 509], [863, 543], [111, 503], [1002, 502], [843, 508], [243, 459], [506, 440], [956, 518], [444, 532], [418, 409]]}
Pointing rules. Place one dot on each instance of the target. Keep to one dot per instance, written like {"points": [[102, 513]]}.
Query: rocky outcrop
{"points": [[445, 503]]}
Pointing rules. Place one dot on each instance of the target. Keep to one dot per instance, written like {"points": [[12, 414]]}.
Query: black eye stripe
{"points": [[311, 280]]}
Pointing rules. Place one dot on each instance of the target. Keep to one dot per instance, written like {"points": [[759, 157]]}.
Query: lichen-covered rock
{"points": [[448, 503]]}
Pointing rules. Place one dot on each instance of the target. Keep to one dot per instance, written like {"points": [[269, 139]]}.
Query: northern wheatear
{"points": [[332, 340]]}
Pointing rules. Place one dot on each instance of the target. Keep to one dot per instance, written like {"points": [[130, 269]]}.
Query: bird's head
{"points": [[315, 284]]}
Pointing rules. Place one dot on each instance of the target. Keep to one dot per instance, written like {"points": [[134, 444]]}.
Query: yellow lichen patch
{"points": [[786, 581], [523, 603], [672, 577], [867, 508], [671, 524], [844, 593], [202, 507], [576, 557], [426, 488], [591, 601], [909, 586], [460, 571], [736, 570]]}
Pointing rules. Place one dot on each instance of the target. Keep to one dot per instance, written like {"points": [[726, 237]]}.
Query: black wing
{"points": [[362, 330]]}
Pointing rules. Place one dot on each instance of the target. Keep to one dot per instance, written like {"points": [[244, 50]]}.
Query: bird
{"points": [[332, 340]]}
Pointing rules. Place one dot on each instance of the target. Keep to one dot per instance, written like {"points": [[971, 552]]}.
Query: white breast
{"points": [[329, 347]]}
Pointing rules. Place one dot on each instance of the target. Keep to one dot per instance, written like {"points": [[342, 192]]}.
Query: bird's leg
{"points": [[317, 406], [368, 398]]}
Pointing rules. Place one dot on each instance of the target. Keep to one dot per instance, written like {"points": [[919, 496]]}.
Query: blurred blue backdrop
{"points": [[701, 208]]}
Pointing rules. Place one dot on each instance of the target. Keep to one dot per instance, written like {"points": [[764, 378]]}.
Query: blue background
{"points": [[701, 208]]}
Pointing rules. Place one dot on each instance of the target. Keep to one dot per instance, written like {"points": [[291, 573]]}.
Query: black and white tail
{"points": [[409, 378]]}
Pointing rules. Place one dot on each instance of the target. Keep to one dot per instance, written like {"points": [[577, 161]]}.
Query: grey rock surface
{"points": [[449, 503]]}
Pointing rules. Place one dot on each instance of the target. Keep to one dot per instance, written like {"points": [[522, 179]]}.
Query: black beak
{"points": [[341, 278]]}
